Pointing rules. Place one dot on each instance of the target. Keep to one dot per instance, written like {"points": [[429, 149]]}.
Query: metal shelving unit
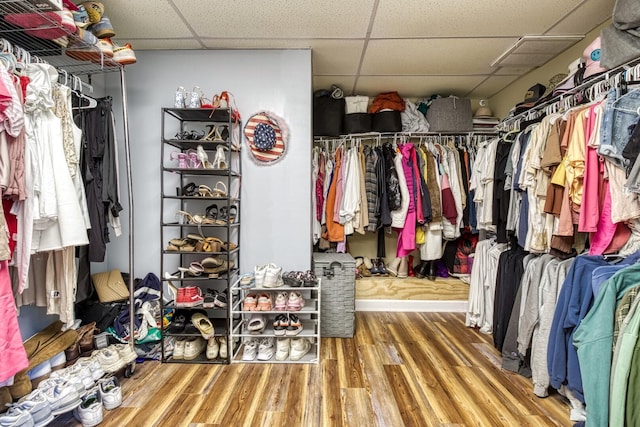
{"points": [[173, 180]]}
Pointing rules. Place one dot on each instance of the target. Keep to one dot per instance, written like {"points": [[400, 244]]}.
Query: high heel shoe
{"points": [[194, 162], [220, 161], [182, 159], [203, 157]]}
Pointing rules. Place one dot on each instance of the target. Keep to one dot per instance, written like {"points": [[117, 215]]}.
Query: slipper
{"points": [[256, 324], [212, 262], [228, 246], [212, 244], [203, 324]]}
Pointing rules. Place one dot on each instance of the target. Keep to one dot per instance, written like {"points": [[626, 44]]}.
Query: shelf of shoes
{"points": [[289, 334], [42, 32]]}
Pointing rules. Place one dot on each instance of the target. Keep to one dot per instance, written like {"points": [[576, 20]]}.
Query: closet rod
{"points": [[609, 75], [398, 134]]}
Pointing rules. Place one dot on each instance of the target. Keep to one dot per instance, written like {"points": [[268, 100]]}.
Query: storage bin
{"points": [[450, 115], [357, 123], [338, 305], [328, 114], [387, 121]]}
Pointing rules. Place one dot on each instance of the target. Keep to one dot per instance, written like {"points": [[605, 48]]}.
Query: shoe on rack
{"points": [[265, 302], [257, 324], [37, 405], [81, 371], [273, 276], [204, 325], [109, 359], [178, 349], [266, 349], [299, 347], [294, 327], [223, 347], [221, 300], [213, 348], [259, 273], [110, 392], [194, 347], [94, 11], [250, 350], [295, 302], [191, 296], [89, 412], [127, 354], [250, 302], [280, 324], [93, 365], [102, 29], [281, 301], [124, 55], [282, 348]]}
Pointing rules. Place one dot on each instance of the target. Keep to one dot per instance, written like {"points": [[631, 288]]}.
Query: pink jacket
{"points": [[13, 357]]}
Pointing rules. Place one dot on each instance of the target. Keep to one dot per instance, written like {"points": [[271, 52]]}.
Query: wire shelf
{"points": [[22, 20]]}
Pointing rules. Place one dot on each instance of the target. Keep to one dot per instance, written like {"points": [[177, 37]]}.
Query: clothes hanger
{"points": [[77, 89]]}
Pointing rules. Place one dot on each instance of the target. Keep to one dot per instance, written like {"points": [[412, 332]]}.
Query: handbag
{"points": [[110, 286]]}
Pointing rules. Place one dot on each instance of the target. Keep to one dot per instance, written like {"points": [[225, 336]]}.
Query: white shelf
{"points": [[309, 330], [313, 356]]}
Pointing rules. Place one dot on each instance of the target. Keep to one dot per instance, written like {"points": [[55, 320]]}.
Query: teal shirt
{"points": [[594, 340]]}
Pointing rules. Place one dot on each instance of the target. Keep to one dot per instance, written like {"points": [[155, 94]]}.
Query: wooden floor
{"points": [[401, 369]]}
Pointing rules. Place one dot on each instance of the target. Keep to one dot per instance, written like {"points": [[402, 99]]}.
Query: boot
{"points": [[374, 268], [421, 269], [411, 272], [431, 271], [403, 268], [381, 267], [393, 266]]}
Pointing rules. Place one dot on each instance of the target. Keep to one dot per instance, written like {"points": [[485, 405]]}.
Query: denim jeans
{"points": [[619, 119]]}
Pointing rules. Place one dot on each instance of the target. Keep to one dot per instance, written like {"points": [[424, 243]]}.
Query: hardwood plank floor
{"points": [[400, 369]]}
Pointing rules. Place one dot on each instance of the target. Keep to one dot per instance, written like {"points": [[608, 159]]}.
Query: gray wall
{"points": [[276, 200]]}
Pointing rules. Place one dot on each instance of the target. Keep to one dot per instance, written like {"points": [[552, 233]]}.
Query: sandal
{"points": [[189, 190], [228, 246], [193, 219], [178, 324], [220, 161], [256, 324], [233, 213], [212, 244], [209, 298], [211, 213], [220, 190], [182, 159], [280, 324], [195, 269]]}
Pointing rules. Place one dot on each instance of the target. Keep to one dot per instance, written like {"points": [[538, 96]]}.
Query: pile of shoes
{"points": [[94, 29], [367, 267]]}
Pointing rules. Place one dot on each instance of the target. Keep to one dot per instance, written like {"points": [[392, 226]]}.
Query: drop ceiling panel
{"points": [[144, 19], [587, 17], [512, 71], [329, 56], [491, 86], [417, 86], [432, 56], [325, 82], [455, 18], [278, 18], [522, 60], [164, 44]]}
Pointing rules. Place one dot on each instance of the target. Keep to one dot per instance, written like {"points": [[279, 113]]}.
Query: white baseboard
{"points": [[411, 305]]}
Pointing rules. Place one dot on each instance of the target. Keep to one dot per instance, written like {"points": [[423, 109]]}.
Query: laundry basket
{"points": [[338, 305]]}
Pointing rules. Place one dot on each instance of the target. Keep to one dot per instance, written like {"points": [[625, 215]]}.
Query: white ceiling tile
{"points": [[433, 56], [278, 18], [512, 71], [325, 82], [144, 19], [329, 56], [587, 17], [447, 18], [491, 86], [164, 44], [417, 86]]}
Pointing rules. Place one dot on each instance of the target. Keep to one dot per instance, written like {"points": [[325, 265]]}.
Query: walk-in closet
{"points": [[373, 212]]}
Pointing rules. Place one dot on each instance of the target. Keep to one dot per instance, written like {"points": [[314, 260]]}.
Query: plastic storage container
{"points": [[338, 305]]}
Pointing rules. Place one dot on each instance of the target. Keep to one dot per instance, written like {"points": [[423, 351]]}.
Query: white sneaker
{"points": [[178, 350], [89, 412], [193, 347], [110, 392], [213, 348], [66, 375], [61, 395], [282, 348], [223, 347], [259, 273], [266, 348], [299, 347], [16, 416], [108, 358], [127, 354], [37, 405], [94, 366], [250, 349], [273, 276], [83, 372]]}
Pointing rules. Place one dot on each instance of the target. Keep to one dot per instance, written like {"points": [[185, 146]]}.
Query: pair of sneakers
{"points": [[292, 301], [268, 276], [262, 349], [293, 349], [217, 347], [107, 394]]}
